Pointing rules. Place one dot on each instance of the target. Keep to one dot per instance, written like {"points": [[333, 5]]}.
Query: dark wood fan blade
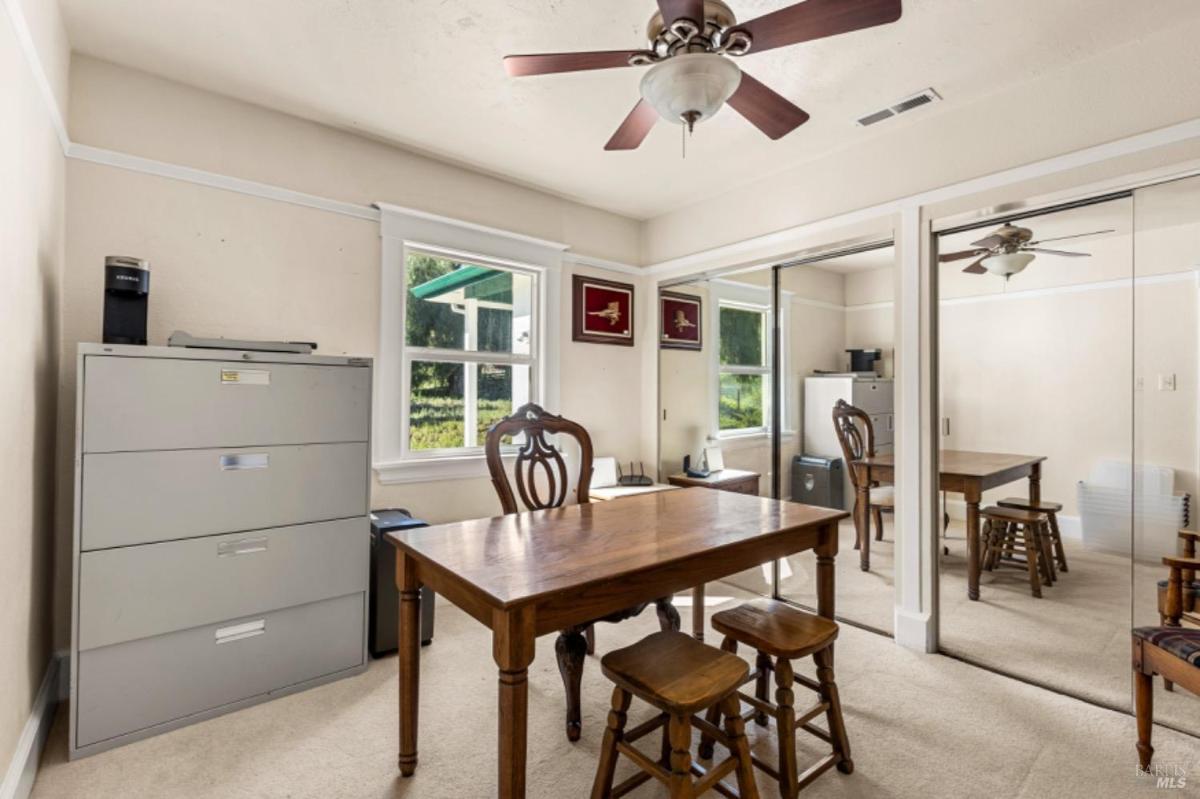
{"points": [[1057, 252], [1073, 236], [686, 9], [976, 268], [634, 129], [547, 63], [771, 113], [989, 242], [959, 256], [816, 19]]}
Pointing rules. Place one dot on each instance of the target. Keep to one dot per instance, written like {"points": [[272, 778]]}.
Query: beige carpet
{"points": [[920, 725]]}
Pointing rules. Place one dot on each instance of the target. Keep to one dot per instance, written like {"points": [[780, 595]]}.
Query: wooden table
{"points": [[737, 480], [531, 574], [961, 472]]}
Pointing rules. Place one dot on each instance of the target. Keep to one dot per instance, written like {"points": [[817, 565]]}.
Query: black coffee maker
{"points": [[126, 299]]}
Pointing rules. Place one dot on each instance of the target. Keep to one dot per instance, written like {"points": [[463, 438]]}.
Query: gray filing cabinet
{"points": [[222, 544]]}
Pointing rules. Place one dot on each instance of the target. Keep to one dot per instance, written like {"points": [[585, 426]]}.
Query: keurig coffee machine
{"points": [[126, 297]]}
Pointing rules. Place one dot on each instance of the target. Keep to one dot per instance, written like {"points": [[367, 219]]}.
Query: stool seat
{"points": [[675, 672], [1023, 503], [776, 628], [1015, 515]]}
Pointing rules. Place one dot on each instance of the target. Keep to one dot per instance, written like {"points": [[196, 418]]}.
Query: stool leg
{"points": [[988, 545], [736, 730], [602, 787], [1031, 561], [680, 731], [1046, 553], [1058, 543], [762, 688], [713, 715], [785, 725], [837, 722]]}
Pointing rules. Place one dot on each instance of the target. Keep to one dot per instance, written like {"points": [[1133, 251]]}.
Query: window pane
{"points": [[742, 337], [436, 416], [741, 401], [502, 389], [458, 306]]}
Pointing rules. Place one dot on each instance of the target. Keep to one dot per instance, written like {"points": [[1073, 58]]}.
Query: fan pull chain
{"points": [[683, 140]]}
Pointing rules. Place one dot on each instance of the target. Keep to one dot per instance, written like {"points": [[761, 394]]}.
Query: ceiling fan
{"points": [[691, 71], [1009, 249]]}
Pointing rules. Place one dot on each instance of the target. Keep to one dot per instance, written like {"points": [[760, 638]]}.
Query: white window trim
{"points": [[402, 230], [733, 294]]}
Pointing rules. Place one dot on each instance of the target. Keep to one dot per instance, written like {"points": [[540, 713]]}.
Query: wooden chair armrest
{"points": [[1182, 563], [1189, 534]]}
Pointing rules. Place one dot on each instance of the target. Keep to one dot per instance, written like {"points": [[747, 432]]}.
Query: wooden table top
{"points": [[962, 463], [714, 479], [520, 557]]}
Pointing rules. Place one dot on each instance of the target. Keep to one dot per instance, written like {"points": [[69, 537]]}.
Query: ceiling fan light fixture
{"points": [[690, 87], [1008, 264]]}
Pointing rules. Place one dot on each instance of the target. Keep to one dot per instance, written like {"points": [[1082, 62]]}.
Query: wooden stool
{"points": [[1008, 532], [1051, 509], [681, 677], [779, 631]]}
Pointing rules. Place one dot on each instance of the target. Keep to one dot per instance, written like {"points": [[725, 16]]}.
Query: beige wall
{"points": [[225, 263], [31, 229]]}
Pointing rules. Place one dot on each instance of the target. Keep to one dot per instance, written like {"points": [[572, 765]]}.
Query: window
{"points": [[470, 350], [744, 386], [464, 311]]}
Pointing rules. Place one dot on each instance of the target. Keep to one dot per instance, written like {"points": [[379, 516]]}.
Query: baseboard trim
{"points": [[22, 769], [915, 631]]}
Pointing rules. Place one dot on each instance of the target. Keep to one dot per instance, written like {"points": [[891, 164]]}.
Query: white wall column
{"points": [[916, 439]]}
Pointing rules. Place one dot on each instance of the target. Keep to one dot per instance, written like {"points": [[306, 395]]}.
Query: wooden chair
{"points": [[1008, 532], [856, 435], [780, 634], [1051, 509], [536, 456], [1170, 651], [1190, 611], [679, 676]]}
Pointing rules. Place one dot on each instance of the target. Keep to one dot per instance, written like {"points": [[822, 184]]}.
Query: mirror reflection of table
{"points": [[738, 481], [959, 472]]}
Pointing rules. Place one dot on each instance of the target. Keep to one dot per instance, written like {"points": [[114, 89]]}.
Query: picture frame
{"points": [[680, 321], [602, 311]]}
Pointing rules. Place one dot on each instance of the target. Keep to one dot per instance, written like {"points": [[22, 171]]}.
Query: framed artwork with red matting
{"points": [[679, 321], [602, 311]]}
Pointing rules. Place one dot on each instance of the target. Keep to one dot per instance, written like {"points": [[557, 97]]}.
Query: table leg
{"points": [[513, 649], [827, 548], [698, 612], [410, 660], [973, 556], [862, 507], [1035, 484]]}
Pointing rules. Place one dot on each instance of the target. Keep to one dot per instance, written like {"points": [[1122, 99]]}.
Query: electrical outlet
{"points": [[1166, 382]]}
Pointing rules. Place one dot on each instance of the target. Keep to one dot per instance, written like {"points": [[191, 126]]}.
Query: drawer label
{"points": [[245, 377]]}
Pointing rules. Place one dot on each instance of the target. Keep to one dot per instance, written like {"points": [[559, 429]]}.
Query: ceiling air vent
{"points": [[907, 104]]}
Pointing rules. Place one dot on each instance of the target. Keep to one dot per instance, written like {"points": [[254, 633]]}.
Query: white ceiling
{"points": [[427, 75]]}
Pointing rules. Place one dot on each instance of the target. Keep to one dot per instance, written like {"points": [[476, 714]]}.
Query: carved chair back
{"points": [[855, 433], [537, 457]]}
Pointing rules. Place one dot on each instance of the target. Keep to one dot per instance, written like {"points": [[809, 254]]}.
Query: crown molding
{"points": [[33, 60]]}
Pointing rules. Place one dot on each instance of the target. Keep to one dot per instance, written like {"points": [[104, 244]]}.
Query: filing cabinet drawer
{"points": [[160, 403], [873, 396], [140, 684], [138, 592], [141, 497]]}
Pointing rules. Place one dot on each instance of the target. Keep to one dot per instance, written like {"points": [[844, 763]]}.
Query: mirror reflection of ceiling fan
{"points": [[691, 50], [1009, 249]]}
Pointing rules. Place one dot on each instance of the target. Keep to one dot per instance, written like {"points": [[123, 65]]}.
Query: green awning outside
{"points": [[465, 283]]}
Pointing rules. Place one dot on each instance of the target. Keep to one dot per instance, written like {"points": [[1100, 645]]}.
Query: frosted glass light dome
{"points": [[690, 87], [1008, 264]]}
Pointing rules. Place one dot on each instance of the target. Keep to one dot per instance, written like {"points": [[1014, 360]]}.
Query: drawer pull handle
{"points": [[245, 546], [245, 377], [241, 463], [239, 632]]}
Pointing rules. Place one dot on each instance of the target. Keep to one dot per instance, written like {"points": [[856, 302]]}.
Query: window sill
{"points": [[432, 470]]}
